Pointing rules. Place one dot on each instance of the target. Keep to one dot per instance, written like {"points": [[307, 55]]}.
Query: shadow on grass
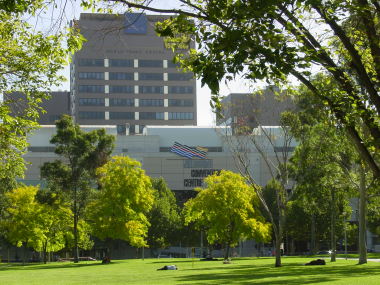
{"points": [[290, 273], [53, 265]]}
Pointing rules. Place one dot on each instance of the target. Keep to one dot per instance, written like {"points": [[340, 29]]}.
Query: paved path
{"points": [[368, 259]]}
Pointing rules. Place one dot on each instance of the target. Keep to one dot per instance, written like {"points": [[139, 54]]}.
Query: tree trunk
{"points": [[227, 251], [76, 248], [44, 252], [333, 236], [24, 252], [279, 239], [313, 246], [362, 218]]}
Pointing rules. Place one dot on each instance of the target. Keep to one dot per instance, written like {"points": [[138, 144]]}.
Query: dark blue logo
{"points": [[135, 23]]}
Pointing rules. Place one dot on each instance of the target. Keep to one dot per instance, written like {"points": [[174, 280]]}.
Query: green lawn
{"points": [[241, 271]]}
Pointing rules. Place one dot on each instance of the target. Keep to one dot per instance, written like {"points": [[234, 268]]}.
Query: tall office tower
{"points": [[124, 75], [244, 111]]}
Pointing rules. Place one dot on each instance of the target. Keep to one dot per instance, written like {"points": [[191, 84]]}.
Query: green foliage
{"points": [[275, 40], [164, 218], [228, 209], [73, 176], [30, 62], [119, 209], [29, 222], [21, 221]]}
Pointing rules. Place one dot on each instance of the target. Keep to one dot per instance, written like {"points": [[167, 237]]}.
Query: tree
{"points": [[30, 62], [228, 209], [164, 218], [55, 221], [82, 152], [324, 163], [119, 210], [273, 40], [21, 224]]}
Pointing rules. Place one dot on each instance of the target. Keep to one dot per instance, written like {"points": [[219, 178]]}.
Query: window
{"points": [[171, 64], [151, 102], [90, 62], [150, 63], [91, 75], [121, 89], [121, 62], [181, 115], [181, 89], [91, 115], [122, 102], [151, 89], [180, 102], [151, 115], [151, 76], [192, 163], [91, 101], [121, 76], [91, 88], [122, 115], [180, 76]]}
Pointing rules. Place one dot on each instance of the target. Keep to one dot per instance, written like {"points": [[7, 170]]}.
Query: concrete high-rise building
{"points": [[124, 75], [244, 112]]}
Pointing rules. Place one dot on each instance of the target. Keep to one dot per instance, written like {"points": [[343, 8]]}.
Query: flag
{"points": [[186, 151]]}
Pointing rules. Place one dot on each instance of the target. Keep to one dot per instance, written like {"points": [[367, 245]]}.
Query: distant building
{"points": [[244, 112], [52, 109], [124, 75]]}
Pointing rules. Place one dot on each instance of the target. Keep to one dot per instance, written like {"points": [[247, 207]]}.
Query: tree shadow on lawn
{"points": [[53, 265], [290, 273]]}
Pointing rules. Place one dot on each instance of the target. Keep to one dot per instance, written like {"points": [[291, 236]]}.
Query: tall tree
{"points": [[30, 64], [21, 222], [82, 152], [119, 210], [229, 209], [273, 40], [164, 218]]}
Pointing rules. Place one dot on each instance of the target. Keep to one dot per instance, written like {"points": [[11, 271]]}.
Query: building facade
{"points": [[244, 111], [124, 76]]}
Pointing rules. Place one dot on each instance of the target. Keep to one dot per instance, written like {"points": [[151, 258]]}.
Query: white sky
{"points": [[205, 115]]}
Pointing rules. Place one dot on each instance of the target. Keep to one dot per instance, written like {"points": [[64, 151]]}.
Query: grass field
{"points": [[241, 271]]}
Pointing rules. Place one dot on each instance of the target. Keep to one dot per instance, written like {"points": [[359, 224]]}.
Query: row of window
{"points": [[131, 102], [130, 76], [130, 89], [181, 115], [131, 115], [126, 63]]}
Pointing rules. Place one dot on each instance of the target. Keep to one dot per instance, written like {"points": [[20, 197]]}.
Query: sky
{"points": [[205, 115]]}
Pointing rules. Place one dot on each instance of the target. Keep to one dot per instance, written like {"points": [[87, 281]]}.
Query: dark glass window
{"points": [[91, 75], [181, 115], [121, 89], [151, 89], [180, 76], [121, 76], [91, 101], [122, 102], [181, 102], [91, 115], [171, 64], [151, 102], [91, 88], [151, 76], [181, 89], [121, 62], [122, 115], [150, 63], [151, 116], [90, 62]]}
